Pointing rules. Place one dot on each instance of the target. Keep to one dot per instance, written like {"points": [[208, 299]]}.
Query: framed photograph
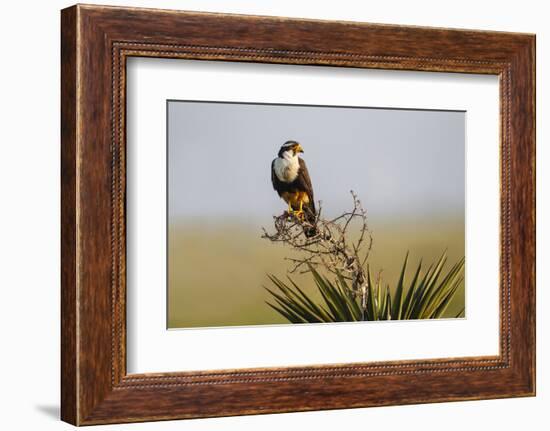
{"points": [[265, 214]]}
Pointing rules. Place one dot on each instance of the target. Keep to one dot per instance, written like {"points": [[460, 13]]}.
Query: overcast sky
{"points": [[401, 163]]}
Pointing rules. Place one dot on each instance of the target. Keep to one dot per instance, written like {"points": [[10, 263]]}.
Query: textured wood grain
{"points": [[69, 397], [96, 41]]}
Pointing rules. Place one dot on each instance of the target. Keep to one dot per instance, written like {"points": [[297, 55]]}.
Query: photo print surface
{"points": [[292, 214]]}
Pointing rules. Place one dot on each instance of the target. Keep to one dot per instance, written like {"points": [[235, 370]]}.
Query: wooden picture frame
{"points": [[95, 43]]}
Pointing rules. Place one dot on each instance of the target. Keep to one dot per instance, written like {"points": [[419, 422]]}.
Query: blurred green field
{"points": [[216, 271]]}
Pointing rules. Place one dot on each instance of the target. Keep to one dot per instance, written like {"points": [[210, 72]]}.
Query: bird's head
{"points": [[290, 149]]}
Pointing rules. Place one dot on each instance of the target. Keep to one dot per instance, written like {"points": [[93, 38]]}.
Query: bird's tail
{"points": [[310, 227]]}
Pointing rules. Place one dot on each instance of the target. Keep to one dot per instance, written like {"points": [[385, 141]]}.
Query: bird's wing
{"points": [[274, 180], [304, 180]]}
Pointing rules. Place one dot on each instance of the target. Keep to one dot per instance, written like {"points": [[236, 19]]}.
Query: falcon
{"points": [[291, 181]]}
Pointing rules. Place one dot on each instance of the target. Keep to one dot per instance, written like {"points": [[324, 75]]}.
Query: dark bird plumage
{"points": [[291, 181]]}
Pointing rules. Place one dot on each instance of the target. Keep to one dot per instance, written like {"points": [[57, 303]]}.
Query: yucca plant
{"points": [[426, 296]]}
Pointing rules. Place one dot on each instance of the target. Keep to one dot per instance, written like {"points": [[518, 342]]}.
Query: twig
{"points": [[331, 247]]}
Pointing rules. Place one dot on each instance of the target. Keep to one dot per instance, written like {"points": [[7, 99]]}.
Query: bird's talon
{"points": [[299, 215]]}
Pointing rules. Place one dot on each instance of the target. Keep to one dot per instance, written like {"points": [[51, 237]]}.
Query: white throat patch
{"points": [[286, 167]]}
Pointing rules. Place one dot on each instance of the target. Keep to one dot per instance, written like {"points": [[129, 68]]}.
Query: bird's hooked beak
{"points": [[299, 149]]}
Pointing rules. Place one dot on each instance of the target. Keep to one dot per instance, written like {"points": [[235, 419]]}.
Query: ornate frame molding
{"points": [[96, 41]]}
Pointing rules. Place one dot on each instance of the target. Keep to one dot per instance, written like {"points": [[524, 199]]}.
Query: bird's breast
{"points": [[285, 169]]}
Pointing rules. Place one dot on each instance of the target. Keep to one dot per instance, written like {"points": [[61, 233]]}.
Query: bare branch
{"points": [[332, 246]]}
